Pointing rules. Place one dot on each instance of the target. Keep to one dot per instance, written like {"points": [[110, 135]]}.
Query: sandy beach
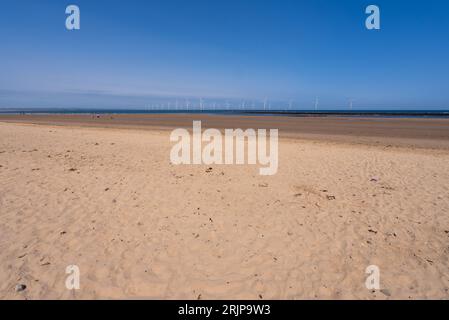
{"points": [[103, 195]]}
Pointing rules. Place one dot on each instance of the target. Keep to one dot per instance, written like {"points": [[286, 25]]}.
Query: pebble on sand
{"points": [[20, 287]]}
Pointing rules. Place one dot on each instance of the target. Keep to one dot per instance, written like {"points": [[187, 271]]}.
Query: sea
{"points": [[291, 113]]}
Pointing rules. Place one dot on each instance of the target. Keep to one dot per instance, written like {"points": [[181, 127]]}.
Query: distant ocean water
{"points": [[292, 113]]}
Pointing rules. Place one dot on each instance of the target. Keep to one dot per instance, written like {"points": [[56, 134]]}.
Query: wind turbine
{"points": [[351, 101], [316, 103], [201, 104]]}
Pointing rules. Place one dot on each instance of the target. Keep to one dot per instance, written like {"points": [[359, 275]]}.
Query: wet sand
{"points": [[423, 132]]}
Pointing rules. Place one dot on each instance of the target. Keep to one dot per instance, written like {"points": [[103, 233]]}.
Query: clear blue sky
{"points": [[129, 53]]}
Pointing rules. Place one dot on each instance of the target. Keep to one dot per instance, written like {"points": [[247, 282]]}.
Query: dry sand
{"points": [[109, 201]]}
